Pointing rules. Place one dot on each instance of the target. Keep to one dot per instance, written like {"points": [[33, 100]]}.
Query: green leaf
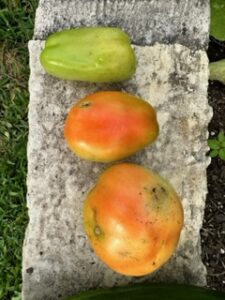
{"points": [[222, 154], [214, 144], [17, 296], [217, 70], [223, 144], [217, 25], [221, 136], [213, 153]]}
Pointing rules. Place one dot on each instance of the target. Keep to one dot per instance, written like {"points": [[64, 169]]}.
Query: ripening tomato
{"points": [[133, 219], [107, 126]]}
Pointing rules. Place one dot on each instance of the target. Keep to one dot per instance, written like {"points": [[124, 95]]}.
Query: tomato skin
{"points": [[133, 219], [93, 54], [108, 126]]}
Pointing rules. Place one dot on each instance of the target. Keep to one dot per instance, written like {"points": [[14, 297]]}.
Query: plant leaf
{"points": [[213, 153], [214, 144], [217, 70], [222, 154], [221, 136], [17, 296], [217, 25], [223, 144]]}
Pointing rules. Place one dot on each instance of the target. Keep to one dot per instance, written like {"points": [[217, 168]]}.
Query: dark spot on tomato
{"points": [[94, 211], [127, 254], [164, 190], [154, 263], [159, 193], [97, 230], [85, 104], [124, 253]]}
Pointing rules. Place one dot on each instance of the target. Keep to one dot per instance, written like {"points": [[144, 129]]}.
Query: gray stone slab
{"points": [[57, 259], [147, 21]]}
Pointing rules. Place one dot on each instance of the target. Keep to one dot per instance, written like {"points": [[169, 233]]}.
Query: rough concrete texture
{"points": [[57, 259], [147, 21]]}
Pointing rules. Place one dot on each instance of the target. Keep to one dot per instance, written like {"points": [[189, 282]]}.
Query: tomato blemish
{"points": [[97, 230], [85, 104]]}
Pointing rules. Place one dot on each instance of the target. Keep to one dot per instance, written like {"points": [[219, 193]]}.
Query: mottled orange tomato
{"points": [[108, 126], [133, 219]]}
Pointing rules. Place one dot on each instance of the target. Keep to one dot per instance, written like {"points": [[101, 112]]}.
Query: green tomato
{"points": [[99, 54]]}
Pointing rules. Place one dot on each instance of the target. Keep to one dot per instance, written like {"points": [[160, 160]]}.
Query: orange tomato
{"points": [[133, 219], [108, 126]]}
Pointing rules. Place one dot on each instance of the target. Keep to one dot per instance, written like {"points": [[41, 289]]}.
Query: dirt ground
{"points": [[213, 231]]}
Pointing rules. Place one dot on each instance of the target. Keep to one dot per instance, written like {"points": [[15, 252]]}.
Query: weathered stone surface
{"points": [[57, 259], [147, 21]]}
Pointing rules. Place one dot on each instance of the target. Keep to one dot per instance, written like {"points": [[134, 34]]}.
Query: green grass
{"points": [[16, 28]]}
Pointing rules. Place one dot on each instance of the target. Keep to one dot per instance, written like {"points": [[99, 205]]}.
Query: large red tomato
{"points": [[108, 126], [133, 219]]}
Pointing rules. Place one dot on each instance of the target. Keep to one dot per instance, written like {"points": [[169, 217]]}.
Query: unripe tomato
{"points": [[95, 54], [107, 126], [133, 219]]}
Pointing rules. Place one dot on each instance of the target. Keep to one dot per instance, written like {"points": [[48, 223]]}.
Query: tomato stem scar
{"points": [[85, 104]]}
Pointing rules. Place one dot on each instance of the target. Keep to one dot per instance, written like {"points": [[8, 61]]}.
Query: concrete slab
{"points": [[147, 21], [57, 259]]}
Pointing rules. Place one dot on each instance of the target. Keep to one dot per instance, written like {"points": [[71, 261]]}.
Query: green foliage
{"points": [[16, 23], [17, 296], [217, 26], [217, 71], [217, 30], [217, 146]]}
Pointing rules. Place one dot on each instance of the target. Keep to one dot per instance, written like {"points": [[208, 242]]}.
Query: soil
{"points": [[213, 231]]}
